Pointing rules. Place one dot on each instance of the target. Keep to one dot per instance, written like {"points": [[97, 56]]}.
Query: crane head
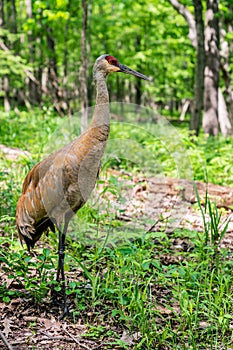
{"points": [[108, 64]]}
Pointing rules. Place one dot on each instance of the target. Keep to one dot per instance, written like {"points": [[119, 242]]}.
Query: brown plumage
{"points": [[57, 187]]}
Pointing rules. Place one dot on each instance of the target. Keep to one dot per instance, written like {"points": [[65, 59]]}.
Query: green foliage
{"points": [[28, 130], [19, 266], [10, 64], [213, 228], [150, 37], [156, 48], [211, 156], [164, 149]]}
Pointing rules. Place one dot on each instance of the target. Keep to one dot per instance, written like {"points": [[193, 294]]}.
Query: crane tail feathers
{"points": [[30, 235], [26, 236]]}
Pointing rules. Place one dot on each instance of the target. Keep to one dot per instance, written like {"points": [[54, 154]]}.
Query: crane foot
{"points": [[65, 312], [55, 296], [58, 299]]}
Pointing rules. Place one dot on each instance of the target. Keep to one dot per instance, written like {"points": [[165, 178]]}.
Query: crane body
{"points": [[58, 186]]}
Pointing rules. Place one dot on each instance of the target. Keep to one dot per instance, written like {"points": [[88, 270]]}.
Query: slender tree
{"points": [[197, 107], [83, 69], [210, 118], [34, 89], [13, 17], [65, 59], [6, 88], [196, 36], [183, 11], [1, 13], [225, 64], [138, 85], [54, 86]]}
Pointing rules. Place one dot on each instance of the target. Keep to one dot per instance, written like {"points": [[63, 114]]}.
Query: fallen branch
{"points": [[5, 341], [155, 224], [221, 195], [100, 346], [74, 339]]}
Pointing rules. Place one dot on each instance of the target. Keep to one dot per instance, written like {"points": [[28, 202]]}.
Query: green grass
{"points": [[28, 130], [169, 297], [169, 151]]}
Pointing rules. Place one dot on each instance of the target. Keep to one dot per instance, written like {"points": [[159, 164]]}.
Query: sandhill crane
{"points": [[57, 187]]}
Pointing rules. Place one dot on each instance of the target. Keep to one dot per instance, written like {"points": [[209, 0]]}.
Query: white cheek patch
{"points": [[114, 69]]}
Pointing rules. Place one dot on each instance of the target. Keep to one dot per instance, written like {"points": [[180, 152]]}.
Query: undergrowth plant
{"points": [[214, 228]]}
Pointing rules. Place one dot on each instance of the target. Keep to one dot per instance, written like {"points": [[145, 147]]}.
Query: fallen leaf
{"points": [[130, 339], [7, 325], [52, 323]]}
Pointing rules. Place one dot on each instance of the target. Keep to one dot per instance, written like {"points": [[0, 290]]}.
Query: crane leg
{"points": [[60, 270]]}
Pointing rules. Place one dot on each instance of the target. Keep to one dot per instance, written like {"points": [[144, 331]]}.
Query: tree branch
{"points": [[5, 341], [26, 71], [183, 11]]}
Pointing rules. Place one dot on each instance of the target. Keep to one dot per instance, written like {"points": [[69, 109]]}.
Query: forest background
{"points": [[48, 49]]}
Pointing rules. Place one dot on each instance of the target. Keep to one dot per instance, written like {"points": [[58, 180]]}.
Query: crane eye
{"points": [[112, 60]]}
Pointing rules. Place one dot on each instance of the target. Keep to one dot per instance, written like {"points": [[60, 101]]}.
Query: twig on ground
{"points": [[48, 336], [45, 337], [153, 226], [33, 319], [99, 346], [74, 339], [5, 341]]}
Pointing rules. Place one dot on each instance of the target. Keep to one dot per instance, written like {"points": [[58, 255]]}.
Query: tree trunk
{"points": [[7, 105], [90, 87], [65, 62], [13, 18], [226, 75], [34, 89], [183, 11], [138, 83], [83, 70], [224, 123], [197, 107], [211, 81], [52, 67], [210, 119], [1, 13], [56, 91]]}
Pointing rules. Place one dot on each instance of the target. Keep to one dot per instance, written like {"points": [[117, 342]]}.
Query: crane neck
{"points": [[101, 116]]}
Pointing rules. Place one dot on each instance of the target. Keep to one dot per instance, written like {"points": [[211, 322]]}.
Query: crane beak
{"points": [[127, 70]]}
